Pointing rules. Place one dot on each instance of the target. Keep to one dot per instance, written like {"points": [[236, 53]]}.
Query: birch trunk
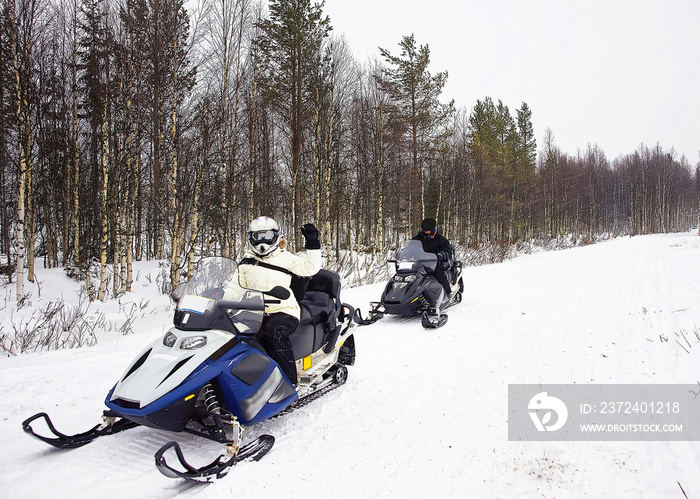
{"points": [[24, 161], [175, 259], [195, 215], [379, 242], [253, 151], [75, 205], [103, 202], [30, 219], [327, 179]]}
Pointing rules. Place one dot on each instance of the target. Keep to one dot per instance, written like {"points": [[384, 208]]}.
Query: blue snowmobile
{"points": [[209, 376]]}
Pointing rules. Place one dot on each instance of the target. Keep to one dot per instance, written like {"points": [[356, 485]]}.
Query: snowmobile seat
{"points": [[322, 296], [325, 281], [318, 305], [320, 308]]}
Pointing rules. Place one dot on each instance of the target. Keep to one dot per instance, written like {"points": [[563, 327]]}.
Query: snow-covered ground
{"points": [[424, 412]]}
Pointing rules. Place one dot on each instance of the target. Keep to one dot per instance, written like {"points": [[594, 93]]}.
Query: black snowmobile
{"points": [[208, 376], [413, 290]]}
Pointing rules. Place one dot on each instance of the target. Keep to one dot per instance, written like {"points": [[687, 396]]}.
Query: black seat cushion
{"points": [[325, 281]]}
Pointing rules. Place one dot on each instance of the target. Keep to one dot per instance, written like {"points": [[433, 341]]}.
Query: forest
{"points": [[145, 129]]}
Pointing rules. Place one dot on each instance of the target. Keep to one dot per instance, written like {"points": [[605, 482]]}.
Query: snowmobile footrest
{"points": [[374, 316], [218, 468], [63, 441]]}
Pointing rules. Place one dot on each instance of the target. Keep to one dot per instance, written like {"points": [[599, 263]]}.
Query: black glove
{"points": [[310, 233], [443, 260]]}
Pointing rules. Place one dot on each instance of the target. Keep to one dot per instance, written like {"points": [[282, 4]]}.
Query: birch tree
{"points": [[23, 17]]}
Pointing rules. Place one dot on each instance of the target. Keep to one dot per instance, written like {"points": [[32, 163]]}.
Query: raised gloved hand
{"points": [[310, 233]]}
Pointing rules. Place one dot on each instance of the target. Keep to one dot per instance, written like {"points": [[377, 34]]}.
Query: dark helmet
{"points": [[429, 227]]}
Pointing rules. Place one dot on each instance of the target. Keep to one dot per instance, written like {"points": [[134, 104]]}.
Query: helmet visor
{"points": [[268, 236]]}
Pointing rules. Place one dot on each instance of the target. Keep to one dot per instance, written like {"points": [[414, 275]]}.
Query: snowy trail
{"points": [[423, 412]]}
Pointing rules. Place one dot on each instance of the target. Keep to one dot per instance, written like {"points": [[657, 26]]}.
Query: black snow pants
{"points": [[441, 277], [274, 336]]}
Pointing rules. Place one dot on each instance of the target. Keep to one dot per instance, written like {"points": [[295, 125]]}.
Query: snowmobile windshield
{"points": [[412, 257], [215, 283]]}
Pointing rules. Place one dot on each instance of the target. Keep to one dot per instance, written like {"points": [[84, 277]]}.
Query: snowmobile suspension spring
{"points": [[209, 400]]}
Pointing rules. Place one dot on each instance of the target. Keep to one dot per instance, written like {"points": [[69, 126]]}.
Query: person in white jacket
{"points": [[267, 264]]}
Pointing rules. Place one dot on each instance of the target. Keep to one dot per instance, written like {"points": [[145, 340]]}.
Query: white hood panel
{"points": [[153, 378]]}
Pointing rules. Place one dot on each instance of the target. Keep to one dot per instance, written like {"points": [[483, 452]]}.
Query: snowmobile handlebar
{"points": [[278, 292], [242, 304]]}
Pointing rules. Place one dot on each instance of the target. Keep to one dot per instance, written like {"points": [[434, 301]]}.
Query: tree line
{"points": [[134, 129]]}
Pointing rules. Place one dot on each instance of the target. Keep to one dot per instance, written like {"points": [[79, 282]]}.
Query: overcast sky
{"points": [[616, 73]]}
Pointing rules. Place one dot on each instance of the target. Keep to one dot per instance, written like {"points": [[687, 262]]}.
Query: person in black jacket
{"points": [[434, 242]]}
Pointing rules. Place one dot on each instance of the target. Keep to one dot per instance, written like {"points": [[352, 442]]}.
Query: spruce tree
{"points": [[527, 145]]}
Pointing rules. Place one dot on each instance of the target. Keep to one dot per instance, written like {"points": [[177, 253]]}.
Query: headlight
{"points": [[404, 278], [193, 342], [169, 340], [405, 265]]}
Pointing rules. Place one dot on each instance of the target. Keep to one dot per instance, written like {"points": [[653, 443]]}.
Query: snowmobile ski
{"points": [[433, 321], [218, 468], [110, 426]]}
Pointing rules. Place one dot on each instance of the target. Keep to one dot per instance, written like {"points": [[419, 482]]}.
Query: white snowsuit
{"points": [[264, 279]]}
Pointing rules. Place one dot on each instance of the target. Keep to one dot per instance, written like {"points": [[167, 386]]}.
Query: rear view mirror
{"points": [[279, 292]]}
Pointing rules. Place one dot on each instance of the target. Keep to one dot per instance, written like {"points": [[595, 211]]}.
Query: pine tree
{"points": [[290, 51], [525, 152], [93, 61], [415, 92], [183, 79]]}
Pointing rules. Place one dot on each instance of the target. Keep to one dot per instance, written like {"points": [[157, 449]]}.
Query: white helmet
{"points": [[263, 235]]}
